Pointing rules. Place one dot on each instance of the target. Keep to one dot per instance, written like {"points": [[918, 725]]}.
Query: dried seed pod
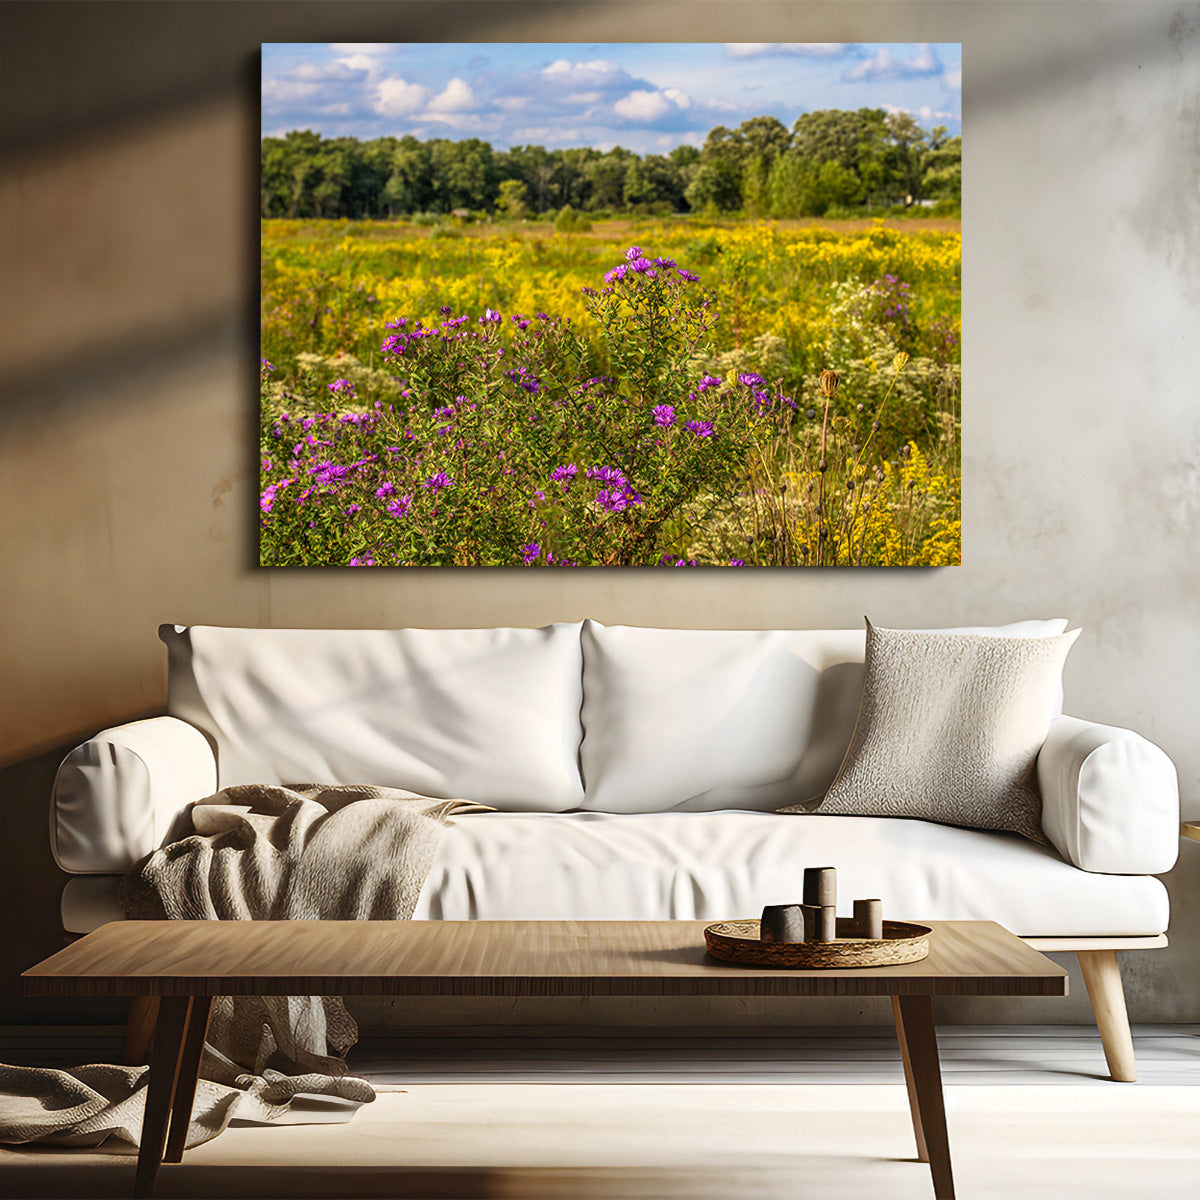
{"points": [[812, 412], [858, 408], [900, 361], [849, 485], [822, 466], [875, 426], [829, 381]]}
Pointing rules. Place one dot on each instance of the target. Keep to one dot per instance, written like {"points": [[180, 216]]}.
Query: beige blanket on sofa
{"points": [[308, 852]]}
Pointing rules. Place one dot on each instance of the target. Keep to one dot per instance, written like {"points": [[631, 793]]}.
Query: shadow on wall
{"points": [[30, 887]]}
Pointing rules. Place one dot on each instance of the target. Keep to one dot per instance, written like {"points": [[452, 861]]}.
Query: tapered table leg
{"points": [[189, 1072], [139, 1030], [160, 1088], [918, 1045], [913, 1107]]}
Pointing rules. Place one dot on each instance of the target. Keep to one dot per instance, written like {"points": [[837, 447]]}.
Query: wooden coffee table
{"points": [[186, 963]]}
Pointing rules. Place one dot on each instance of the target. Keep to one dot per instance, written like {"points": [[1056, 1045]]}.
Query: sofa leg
{"points": [[139, 1030], [1103, 978]]}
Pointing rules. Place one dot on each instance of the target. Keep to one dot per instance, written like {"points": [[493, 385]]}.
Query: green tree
{"points": [[637, 189], [907, 142], [510, 200], [941, 167], [606, 175], [464, 174], [716, 187]]}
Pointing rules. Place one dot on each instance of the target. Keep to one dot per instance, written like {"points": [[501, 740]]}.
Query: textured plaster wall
{"points": [[127, 348]]}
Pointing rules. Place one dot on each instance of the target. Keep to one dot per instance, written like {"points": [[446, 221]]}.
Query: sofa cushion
{"points": [[490, 715], [700, 720], [711, 866], [950, 727], [714, 866]]}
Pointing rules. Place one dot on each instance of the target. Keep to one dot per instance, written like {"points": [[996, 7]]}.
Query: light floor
{"points": [[815, 1115]]}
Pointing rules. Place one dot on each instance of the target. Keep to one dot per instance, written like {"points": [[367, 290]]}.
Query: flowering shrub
{"points": [[505, 447]]}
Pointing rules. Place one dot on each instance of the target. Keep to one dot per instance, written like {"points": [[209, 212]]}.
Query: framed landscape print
{"points": [[554, 305]]}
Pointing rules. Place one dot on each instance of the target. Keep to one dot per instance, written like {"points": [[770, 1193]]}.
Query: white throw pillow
{"points": [[490, 715], [949, 729]]}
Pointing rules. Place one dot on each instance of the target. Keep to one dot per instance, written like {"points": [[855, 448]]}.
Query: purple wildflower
{"points": [[664, 262], [266, 366], [687, 275], [617, 499], [387, 489], [362, 562], [664, 415], [438, 481], [736, 562], [632, 253], [607, 475], [702, 429], [490, 317], [328, 473], [750, 379], [267, 502], [565, 473], [400, 506], [707, 383], [342, 387], [616, 273], [530, 552]]}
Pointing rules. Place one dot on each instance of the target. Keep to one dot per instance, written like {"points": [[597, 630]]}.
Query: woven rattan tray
{"points": [[737, 942]]}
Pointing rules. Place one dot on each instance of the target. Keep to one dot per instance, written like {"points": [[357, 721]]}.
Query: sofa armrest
{"points": [[116, 796], [1110, 798]]}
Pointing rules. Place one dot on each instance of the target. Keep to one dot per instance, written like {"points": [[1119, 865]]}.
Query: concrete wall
{"points": [[128, 248]]}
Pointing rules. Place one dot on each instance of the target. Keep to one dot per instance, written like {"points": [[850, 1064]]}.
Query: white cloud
{"points": [[583, 75], [513, 103], [456, 97], [953, 79], [802, 49], [583, 98], [926, 112], [883, 64], [396, 97], [361, 62], [642, 106], [650, 106]]}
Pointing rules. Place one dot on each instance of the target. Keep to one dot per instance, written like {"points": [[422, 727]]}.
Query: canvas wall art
{"points": [[563, 306]]}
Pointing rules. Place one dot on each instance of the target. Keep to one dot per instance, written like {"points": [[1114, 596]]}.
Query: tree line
{"points": [[829, 160]]}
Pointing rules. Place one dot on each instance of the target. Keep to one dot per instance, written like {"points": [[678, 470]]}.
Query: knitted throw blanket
{"points": [[306, 852]]}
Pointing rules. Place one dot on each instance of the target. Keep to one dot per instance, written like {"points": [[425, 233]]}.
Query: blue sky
{"points": [[645, 97]]}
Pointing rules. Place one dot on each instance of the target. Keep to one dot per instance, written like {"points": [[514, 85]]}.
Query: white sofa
{"points": [[635, 774]]}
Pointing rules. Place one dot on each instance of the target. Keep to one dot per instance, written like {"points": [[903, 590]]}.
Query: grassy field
{"points": [[672, 415]]}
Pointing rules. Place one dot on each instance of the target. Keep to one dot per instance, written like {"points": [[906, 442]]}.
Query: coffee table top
{"points": [[504, 958]]}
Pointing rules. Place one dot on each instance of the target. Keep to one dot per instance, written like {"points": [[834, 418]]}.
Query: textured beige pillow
{"points": [[949, 729]]}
